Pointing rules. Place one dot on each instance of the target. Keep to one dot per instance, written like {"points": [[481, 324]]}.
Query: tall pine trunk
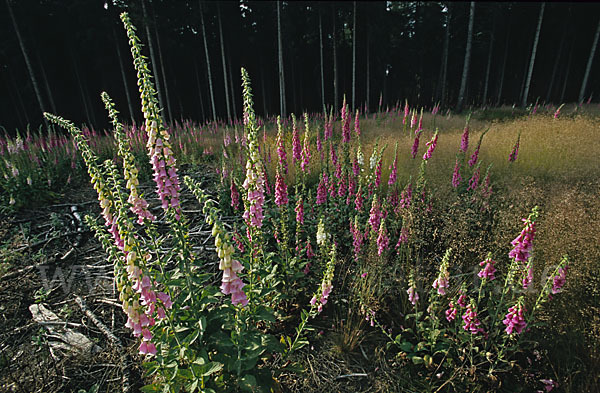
{"points": [[210, 86], [125, 85], [335, 69], [489, 62], [281, 73], [163, 71], [558, 57], [368, 81], [533, 52], [34, 83], [568, 69], [322, 71], [354, 60], [444, 65], [152, 57], [199, 91], [223, 61], [502, 73], [465, 73], [233, 107], [589, 65]]}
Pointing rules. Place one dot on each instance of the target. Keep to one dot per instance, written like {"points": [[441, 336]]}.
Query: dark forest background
{"points": [[74, 48]]}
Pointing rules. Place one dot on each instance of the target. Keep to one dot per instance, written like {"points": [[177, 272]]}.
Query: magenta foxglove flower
{"points": [[415, 146], [378, 173], [451, 312], [474, 181], [403, 238], [456, 178], [375, 215], [394, 169], [488, 270], [474, 156], [406, 196], [300, 211], [559, 280], [523, 244], [515, 150], [527, 276], [464, 140], [358, 201], [281, 194], [321, 192], [357, 238], [431, 147], [406, 112], [471, 322], [514, 320], [357, 124], [462, 301], [413, 295], [383, 241], [296, 148]]}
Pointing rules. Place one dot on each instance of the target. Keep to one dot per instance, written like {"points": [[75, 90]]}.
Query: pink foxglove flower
{"points": [[514, 320], [471, 322], [394, 169], [378, 173], [456, 178], [403, 238], [296, 148], [281, 153], [406, 112], [474, 181], [474, 156], [300, 211], [527, 276], [345, 122], [357, 124], [357, 238], [358, 201], [321, 192], [464, 140], [431, 147], [441, 283], [413, 295], [406, 196], [451, 312], [415, 146], [515, 150], [281, 194], [523, 244], [559, 280], [383, 239], [375, 215], [488, 270]]}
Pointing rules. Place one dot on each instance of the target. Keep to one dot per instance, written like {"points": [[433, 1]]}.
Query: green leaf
{"points": [[151, 388], [405, 346], [248, 382], [417, 360], [206, 369]]}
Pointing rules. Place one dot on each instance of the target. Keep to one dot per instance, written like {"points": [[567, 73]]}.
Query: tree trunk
{"points": [[233, 107], [84, 100], [199, 91], [163, 71], [223, 60], [558, 56], [129, 105], [322, 71], [335, 70], [444, 67], [281, 73], [27, 62], [489, 62], [210, 86], [589, 65], [152, 57], [465, 73], [264, 92], [564, 87], [501, 84], [368, 82], [354, 60], [533, 52]]}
